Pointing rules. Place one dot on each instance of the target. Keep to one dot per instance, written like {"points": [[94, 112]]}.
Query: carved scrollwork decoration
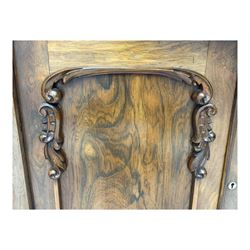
{"points": [[51, 91], [202, 136], [53, 139]]}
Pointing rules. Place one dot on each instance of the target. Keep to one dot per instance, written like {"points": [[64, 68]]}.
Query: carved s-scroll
{"points": [[202, 136], [53, 139]]}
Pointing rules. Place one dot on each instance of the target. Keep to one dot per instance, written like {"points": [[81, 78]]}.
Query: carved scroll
{"points": [[53, 139], [52, 93]]}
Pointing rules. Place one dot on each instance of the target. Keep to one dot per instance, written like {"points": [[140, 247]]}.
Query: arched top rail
{"points": [[192, 78]]}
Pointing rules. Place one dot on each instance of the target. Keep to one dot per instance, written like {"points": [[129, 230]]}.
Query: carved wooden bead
{"points": [[201, 173], [54, 174], [200, 97], [54, 95]]}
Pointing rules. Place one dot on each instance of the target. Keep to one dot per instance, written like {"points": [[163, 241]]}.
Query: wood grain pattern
{"points": [[31, 68], [22, 198], [123, 142], [221, 70], [228, 197], [185, 54]]}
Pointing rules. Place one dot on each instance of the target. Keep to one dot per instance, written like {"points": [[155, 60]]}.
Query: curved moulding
{"points": [[201, 121]]}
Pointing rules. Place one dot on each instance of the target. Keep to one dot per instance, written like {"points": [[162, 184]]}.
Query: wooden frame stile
{"points": [[22, 192], [228, 188], [52, 93]]}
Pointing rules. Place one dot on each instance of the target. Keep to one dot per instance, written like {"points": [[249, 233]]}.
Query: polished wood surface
{"points": [[21, 187], [126, 136], [153, 54], [22, 197]]}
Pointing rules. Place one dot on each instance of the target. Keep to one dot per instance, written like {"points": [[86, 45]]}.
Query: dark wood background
{"points": [[127, 138]]}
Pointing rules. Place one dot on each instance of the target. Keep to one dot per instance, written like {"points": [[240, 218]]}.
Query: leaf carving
{"points": [[202, 136]]}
